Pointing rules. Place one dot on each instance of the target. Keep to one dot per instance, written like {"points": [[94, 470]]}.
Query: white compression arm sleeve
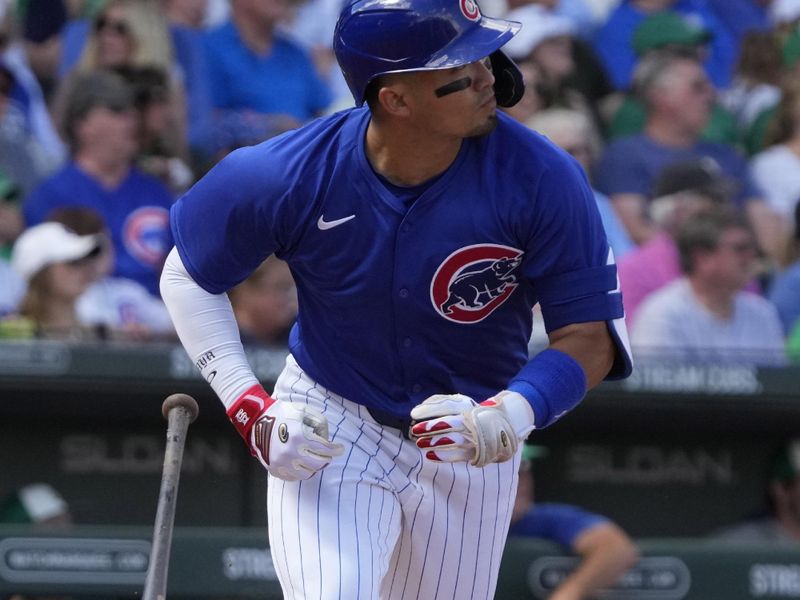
{"points": [[207, 329]]}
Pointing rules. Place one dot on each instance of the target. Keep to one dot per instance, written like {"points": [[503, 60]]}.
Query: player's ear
{"points": [[392, 99]]}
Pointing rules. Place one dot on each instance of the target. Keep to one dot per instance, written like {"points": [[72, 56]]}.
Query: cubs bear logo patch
{"points": [[474, 281]]}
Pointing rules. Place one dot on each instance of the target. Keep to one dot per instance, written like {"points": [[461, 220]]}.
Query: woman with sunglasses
{"points": [[129, 36]]}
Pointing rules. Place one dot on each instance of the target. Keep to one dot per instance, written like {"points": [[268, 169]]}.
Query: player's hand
{"points": [[290, 440], [454, 428]]}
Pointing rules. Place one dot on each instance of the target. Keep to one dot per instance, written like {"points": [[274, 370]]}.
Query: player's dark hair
{"points": [[371, 93], [703, 233]]}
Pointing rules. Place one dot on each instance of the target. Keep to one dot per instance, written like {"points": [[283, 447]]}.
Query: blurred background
{"points": [[685, 116]]}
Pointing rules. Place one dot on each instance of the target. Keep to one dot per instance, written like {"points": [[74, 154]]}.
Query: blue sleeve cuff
{"points": [[553, 382]]}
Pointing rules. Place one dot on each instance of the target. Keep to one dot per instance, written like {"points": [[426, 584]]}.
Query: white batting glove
{"points": [[290, 440], [454, 428]]}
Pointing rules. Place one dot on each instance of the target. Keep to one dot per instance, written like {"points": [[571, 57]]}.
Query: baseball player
{"points": [[420, 226]]}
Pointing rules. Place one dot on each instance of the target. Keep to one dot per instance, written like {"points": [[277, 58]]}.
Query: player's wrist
{"points": [[553, 383], [517, 410], [244, 412]]}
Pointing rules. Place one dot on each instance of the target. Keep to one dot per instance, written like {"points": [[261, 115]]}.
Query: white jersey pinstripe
{"points": [[401, 527]]}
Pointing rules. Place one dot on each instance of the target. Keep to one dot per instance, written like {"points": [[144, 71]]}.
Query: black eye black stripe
{"points": [[453, 87]]}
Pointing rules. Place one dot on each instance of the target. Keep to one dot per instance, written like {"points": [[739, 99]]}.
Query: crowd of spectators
{"points": [[684, 114]]}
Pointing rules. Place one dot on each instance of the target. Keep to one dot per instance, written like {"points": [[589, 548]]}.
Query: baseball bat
{"points": [[179, 410]]}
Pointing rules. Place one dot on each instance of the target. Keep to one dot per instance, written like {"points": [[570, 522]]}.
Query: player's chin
{"points": [[485, 127]]}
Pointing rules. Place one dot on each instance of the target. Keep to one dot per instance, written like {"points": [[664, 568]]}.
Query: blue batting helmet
{"points": [[376, 37]]}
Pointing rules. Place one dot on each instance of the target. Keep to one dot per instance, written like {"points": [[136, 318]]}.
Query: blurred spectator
{"points": [[755, 138], [678, 97], [613, 42], [19, 151], [185, 19], [265, 304], [536, 96], [681, 191], [132, 34], [160, 153], [101, 126], [217, 12], [605, 550], [578, 12], [12, 289], [660, 31], [705, 317], [41, 22], [255, 67], [742, 17], [793, 344], [575, 133], [548, 42], [785, 290], [776, 169], [784, 13], [779, 521], [10, 216], [235, 129], [122, 307], [12, 286], [312, 26], [187, 67], [186, 13], [58, 266], [42, 507], [27, 96], [39, 504], [756, 79]]}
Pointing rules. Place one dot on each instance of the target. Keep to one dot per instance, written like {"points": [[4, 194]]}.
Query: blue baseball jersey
{"points": [[402, 299]]}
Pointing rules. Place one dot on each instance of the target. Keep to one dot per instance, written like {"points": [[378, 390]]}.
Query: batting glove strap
{"points": [[248, 408], [289, 440], [497, 426]]}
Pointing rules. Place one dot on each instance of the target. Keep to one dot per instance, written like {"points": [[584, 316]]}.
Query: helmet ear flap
{"points": [[508, 84]]}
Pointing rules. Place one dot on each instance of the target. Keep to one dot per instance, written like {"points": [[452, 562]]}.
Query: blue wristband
{"points": [[553, 382]]}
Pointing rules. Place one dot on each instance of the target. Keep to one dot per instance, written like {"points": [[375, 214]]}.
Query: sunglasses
{"points": [[118, 27]]}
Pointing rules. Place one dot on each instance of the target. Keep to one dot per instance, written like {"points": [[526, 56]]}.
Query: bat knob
{"points": [[184, 401]]}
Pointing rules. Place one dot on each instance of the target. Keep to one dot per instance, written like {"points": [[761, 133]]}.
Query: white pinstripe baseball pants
{"points": [[380, 522]]}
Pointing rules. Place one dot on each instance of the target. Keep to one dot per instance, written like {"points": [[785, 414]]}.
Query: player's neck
{"points": [[406, 157]]}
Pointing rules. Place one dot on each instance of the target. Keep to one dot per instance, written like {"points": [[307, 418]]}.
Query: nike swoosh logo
{"points": [[323, 224]]}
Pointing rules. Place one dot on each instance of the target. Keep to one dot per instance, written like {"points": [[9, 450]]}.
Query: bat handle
{"points": [[179, 410]]}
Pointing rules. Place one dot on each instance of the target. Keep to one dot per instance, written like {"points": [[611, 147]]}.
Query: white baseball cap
{"points": [[784, 11], [48, 243], [538, 25], [33, 503]]}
